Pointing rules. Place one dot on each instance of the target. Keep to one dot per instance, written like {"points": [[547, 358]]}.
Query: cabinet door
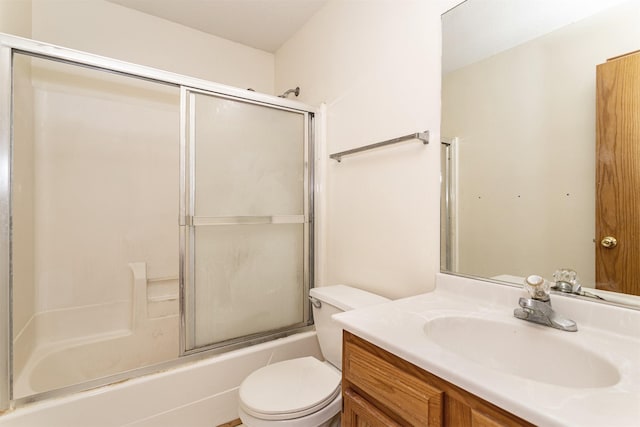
{"points": [[391, 383], [381, 389], [360, 413]]}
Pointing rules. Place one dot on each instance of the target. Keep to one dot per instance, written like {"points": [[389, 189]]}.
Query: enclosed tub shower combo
{"points": [[146, 219]]}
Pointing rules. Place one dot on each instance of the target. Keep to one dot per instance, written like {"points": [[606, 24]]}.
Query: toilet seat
{"points": [[289, 389]]}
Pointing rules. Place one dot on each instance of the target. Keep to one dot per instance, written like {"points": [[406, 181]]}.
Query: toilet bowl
{"points": [[305, 392], [298, 392]]}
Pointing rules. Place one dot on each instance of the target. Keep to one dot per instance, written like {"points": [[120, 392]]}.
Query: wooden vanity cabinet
{"points": [[380, 389]]}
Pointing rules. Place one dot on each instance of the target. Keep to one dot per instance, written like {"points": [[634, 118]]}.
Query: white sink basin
{"points": [[464, 332], [524, 350]]}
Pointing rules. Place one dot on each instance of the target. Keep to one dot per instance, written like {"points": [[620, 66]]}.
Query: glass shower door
{"points": [[246, 233], [94, 182]]}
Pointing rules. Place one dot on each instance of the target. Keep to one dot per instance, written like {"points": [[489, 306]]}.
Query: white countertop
{"points": [[613, 333]]}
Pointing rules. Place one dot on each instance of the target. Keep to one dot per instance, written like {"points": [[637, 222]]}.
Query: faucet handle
{"points": [[537, 287], [566, 281]]}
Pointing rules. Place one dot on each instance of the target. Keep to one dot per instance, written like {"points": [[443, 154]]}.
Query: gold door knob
{"points": [[609, 242]]}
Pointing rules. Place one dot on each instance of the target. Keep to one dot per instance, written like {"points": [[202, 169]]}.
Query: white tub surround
{"points": [[63, 347], [549, 377]]}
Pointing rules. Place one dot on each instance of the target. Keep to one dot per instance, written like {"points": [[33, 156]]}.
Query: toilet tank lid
{"points": [[346, 297]]}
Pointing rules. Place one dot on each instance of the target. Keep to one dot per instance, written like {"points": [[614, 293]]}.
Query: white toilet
{"points": [[305, 392]]}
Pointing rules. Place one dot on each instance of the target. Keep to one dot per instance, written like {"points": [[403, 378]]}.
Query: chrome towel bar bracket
{"points": [[422, 136]]}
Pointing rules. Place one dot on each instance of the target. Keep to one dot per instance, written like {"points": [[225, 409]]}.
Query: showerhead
{"points": [[295, 91]]}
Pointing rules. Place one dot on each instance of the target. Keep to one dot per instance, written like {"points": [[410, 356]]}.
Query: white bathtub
{"points": [[77, 360], [58, 348], [202, 393], [63, 347]]}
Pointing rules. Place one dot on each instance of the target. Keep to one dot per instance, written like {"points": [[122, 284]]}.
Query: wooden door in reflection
{"points": [[618, 174]]}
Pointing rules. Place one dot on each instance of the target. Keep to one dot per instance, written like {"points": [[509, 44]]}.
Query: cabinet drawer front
{"points": [[405, 395], [478, 419], [360, 413]]}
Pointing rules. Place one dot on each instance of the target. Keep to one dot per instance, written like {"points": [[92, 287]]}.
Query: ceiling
{"points": [[478, 29], [262, 24]]}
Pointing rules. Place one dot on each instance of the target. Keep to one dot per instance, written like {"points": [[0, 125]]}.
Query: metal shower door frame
{"points": [[6, 326], [449, 204], [188, 221], [9, 45]]}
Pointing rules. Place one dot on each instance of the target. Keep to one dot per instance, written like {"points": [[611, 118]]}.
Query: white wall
{"points": [[108, 29], [526, 123], [376, 64], [111, 30], [15, 17]]}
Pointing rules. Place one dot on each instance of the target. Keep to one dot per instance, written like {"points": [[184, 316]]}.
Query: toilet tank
{"points": [[337, 299]]}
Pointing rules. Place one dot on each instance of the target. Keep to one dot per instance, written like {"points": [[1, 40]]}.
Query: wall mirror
{"points": [[541, 143]]}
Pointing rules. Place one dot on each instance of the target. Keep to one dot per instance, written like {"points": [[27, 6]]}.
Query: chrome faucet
{"points": [[567, 282], [537, 308]]}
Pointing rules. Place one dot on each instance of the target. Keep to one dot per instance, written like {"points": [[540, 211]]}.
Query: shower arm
{"points": [[295, 91]]}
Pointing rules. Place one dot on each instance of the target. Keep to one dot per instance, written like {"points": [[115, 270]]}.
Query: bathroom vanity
{"points": [[380, 388], [458, 356]]}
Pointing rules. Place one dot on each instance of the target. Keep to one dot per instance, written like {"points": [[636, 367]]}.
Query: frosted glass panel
{"points": [[248, 279], [95, 232], [248, 269], [249, 159]]}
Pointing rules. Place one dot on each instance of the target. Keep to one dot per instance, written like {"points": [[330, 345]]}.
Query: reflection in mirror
{"points": [[540, 107]]}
